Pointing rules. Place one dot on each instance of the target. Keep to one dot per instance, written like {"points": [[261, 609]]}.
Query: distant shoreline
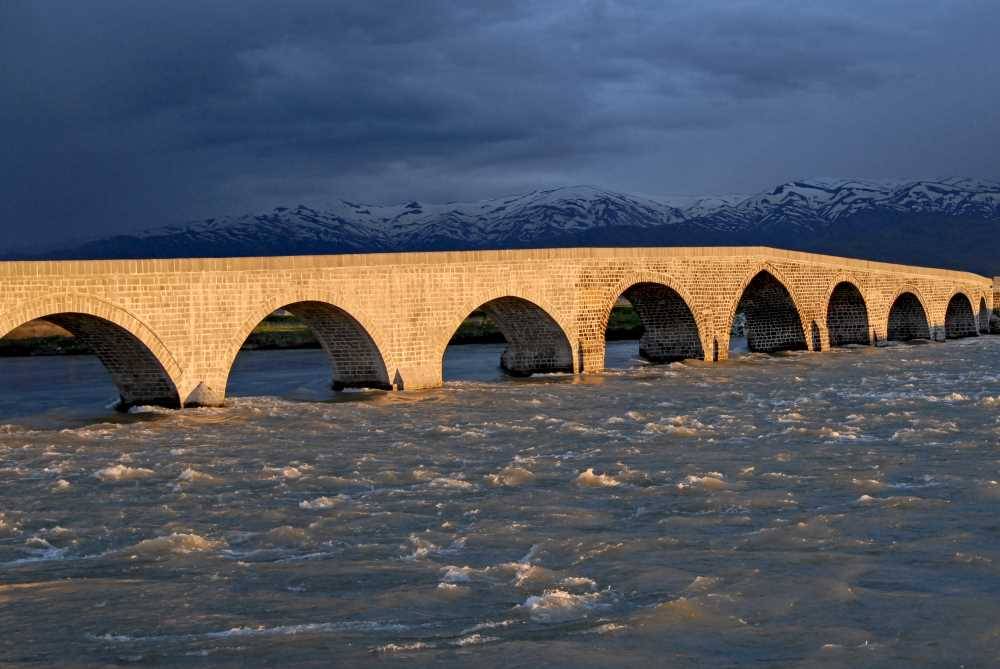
{"points": [[275, 333]]}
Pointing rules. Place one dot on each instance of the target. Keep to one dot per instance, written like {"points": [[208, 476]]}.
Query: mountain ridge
{"points": [[942, 222]]}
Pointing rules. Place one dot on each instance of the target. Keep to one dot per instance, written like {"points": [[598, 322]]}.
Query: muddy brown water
{"points": [[804, 510]]}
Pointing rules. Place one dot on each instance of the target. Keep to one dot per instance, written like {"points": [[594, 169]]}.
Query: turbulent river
{"points": [[800, 510]]}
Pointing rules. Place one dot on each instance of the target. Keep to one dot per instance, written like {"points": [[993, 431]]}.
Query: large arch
{"points": [[959, 318], [847, 315], [907, 318], [140, 366], [984, 316], [773, 320], [670, 329], [354, 355], [536, 342]]}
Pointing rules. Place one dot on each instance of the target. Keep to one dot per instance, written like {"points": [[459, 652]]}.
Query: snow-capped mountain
{"points": [[945, 222]]}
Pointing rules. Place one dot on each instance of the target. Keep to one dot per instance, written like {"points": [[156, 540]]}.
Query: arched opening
{"points": [[767, 317], [847, 316], [528, 340], [959, 319], [658, 318], [984, 317], [907, 319], [136, 372], [283, 352]]}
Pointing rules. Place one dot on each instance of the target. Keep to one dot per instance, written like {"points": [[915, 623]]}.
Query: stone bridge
{"points": [[169, 331]]}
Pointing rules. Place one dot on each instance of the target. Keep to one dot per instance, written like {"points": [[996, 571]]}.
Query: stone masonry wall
{"points": [[959, 319], [387, 318], [671, 332], [847, 316], [908, 319]]}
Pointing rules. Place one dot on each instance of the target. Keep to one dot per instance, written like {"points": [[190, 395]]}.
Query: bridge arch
{"points": [[907, 318], [140, 365], [351, 344], [984, 316], [537, 342], [671, 330], [774, 321], [959, 317], [847, 319]]}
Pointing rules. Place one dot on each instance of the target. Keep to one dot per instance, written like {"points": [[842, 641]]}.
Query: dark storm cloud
{"points": [[120, 115]]}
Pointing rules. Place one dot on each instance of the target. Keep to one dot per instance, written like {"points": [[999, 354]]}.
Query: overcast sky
{"points": [[121, 115]]}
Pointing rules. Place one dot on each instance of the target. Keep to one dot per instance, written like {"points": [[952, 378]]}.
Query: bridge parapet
{"points": [[386, 319]]}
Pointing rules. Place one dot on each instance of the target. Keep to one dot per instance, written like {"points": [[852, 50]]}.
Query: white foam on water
{"points": [[454, 574], [474, 640], [869, 485], [510, 477], [530, 576], [710, 481], [122, 473], [901, 502], [143, 409], [590, 479], [178, 543], [40, 551], [578, 582], [194, 477], [703, 583], [950, 397], [489, 625], [259, 631], [321, 503], [606, 628], [453, 589], [555, 606], [424, 548], [451, 484], [423, 474], [406, 647]]}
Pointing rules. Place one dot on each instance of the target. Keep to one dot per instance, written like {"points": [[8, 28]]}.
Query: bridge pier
{"points": [[204, 395], [819, 339]]}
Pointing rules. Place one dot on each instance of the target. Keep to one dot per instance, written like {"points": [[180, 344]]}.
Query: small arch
{"points": [[669, 330], [354, 357], [907, 319], [139, 375], [847, 316], [536, 343], [773, 322], [959, 318], [984, 316]]}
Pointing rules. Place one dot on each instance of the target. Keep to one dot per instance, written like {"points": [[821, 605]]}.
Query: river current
{"points": [[799, 510]]}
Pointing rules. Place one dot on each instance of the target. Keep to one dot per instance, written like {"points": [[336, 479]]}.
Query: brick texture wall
{"points": [[169, 330]]}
